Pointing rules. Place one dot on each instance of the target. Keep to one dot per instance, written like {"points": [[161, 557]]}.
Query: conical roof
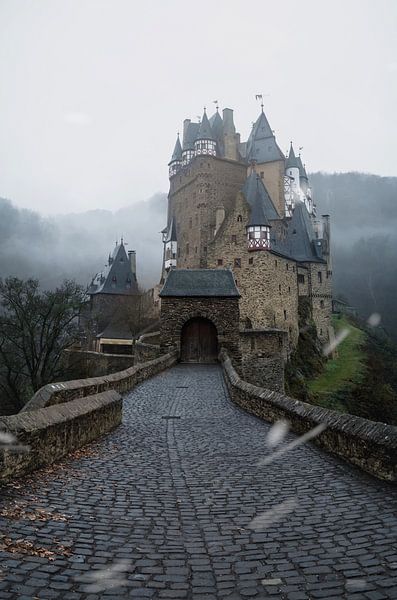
{"points": [[262, 207], [117, 277], [177, 154], [292, 161], [171, 231], [261, 145], [205, 131], [302, 170]]}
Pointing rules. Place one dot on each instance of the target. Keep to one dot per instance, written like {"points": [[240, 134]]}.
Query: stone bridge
{"points": [[183, 500]]}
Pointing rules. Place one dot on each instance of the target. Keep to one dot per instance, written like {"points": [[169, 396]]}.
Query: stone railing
{"points": [[366, 444], [56, 393], [48, 434], [147, 346], [62, 417]]}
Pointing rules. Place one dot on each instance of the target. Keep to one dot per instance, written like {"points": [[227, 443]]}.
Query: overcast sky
{"points": [[92, 92]]}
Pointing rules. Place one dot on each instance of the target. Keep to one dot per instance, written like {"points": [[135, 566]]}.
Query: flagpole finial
{"points": [[216, 105]]}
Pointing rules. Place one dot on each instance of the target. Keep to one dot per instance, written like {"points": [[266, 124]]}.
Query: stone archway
{"points": [[199, 341]]}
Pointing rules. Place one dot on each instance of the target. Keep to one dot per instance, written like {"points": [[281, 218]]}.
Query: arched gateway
{"points": [[200, 314], [199, 341]]}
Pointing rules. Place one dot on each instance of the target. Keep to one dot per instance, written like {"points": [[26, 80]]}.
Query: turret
{"points": [[205, 142], [170, 246], [258, 228], [292, 170], [176, 159], [190, 131]]}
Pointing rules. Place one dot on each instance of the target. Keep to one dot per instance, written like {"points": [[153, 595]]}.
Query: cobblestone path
{"points": [[163, 507]]}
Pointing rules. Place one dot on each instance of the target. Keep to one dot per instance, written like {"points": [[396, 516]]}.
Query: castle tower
{"points": [[205, 142], [176, 159], [292, 170]]}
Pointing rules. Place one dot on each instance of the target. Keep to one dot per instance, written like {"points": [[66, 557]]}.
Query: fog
{"points": [[363, 211], [77, 245]]}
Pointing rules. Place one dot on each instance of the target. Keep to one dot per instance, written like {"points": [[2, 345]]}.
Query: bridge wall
{"points": [[57, 393], [369, 445], [52, 432]]}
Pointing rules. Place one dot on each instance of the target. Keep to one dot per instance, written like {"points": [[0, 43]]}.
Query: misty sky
{"points": [[92, 92]]}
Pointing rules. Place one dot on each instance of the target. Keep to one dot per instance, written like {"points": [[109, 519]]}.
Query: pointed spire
{"points": [[177, 153], [292, 161], [205, 131], [302, 170]]}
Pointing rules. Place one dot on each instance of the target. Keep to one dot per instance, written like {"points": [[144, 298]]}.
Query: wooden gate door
{"points": [[199, 341]]}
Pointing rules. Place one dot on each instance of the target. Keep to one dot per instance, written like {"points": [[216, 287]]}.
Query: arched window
{"points": [[239, 219]]}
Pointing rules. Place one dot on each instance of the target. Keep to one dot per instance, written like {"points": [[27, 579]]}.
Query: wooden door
{"points": [[199, 341]]}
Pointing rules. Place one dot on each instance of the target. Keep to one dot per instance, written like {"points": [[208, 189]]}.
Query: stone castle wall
{"points": [[321, 299], [195, 193], [272, 174], [267, 282]]}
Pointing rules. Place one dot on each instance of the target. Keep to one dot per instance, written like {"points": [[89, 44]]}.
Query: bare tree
{"points": [[35, 327]]}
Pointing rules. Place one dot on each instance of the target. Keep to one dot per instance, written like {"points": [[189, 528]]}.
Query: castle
{"points": [[246, 207]]}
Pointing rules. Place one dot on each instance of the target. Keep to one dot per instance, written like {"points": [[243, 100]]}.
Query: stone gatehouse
{"points": [[200, 314]]}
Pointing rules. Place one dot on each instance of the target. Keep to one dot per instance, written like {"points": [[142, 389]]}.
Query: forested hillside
{"points": [[363, 211]]}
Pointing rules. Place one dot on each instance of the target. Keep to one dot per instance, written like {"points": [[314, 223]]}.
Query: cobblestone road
{"points": [[163, 506]]}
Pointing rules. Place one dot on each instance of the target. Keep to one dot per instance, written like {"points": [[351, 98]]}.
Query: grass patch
{"points": [[345, 370]]}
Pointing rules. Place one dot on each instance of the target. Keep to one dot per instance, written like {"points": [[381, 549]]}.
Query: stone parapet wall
{"points": [[147, 347], [57, 393], [366, 444], [52, 432], [86, 363]]}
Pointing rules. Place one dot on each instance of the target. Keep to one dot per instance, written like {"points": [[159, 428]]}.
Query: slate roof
{"points": [[301, 242], [261, 145], [302, 170], [205, 131], [216, 123], [116, 331], [200, 283], [259, 200], [292, 161], [177, 154], [171, 231], [191, 136], [117, 277]]}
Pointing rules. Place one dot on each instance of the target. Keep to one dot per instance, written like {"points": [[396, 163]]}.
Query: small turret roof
{"points": [[302, 170], [177, 154], [205, 131], [262, 207], [216, 123], [171, 231], [292, 161]]}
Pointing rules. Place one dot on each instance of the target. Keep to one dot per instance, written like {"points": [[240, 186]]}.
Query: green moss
{"points": [[347, 368]]}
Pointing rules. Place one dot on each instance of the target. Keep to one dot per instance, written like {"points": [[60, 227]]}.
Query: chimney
{"points": [[186, 124], [228, 123], [132, 258]]}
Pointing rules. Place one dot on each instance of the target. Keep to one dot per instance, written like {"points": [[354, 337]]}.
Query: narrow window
{"points": [[205, 249], [279, 287], [275, 264], [251, 261], [220, 262], [301, 278], [237, 262], [289, 289], [195, 249], [285, 315], [320, 277], [287, 266], [239, 218], [234, 239], [321, 303]]}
